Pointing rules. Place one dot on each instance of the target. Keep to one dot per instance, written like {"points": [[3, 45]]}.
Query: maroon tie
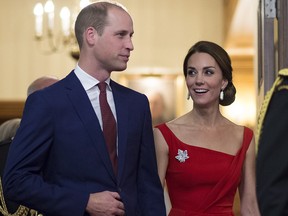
{"points": [[109, 125]]}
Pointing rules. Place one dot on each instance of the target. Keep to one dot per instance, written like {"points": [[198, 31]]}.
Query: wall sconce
{"points": [[46, 27]]}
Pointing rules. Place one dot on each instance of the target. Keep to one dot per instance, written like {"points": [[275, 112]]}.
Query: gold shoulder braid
{"points": [[21, 211], [276, 87]]}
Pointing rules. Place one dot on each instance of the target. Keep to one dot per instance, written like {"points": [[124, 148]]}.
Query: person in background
{"points": [[157, 107], [61, 161], [203, 156], [272, 160], [8, 130], [41, 83]]}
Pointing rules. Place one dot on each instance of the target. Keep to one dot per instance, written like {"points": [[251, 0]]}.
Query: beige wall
{"points": [[164, 30]]}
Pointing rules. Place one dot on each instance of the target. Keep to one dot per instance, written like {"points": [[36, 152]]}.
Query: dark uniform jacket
{"points": [[272, 156]]}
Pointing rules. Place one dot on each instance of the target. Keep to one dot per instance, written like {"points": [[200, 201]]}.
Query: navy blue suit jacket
{"points": [[58, 156]]}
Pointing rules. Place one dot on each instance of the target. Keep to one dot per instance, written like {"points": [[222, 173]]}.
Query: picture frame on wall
{"points": [[161, 91]]}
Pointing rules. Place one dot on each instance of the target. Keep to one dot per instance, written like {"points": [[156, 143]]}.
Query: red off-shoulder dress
{"points": [[200, 181]]}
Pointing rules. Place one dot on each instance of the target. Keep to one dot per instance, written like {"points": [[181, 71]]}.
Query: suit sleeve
{"points": [[23, 181], [272, 159], [150, 188]]}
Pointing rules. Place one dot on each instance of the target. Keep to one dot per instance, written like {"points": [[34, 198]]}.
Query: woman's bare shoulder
{"points": [[236, 130]]}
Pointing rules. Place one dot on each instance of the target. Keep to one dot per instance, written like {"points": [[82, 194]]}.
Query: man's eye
{"points": [[121, 34]]}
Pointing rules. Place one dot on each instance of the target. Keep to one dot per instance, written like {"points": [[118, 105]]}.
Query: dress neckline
{"points": [[207, 149]]}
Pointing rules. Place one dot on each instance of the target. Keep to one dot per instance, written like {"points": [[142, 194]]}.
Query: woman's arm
{"points": [[247, 188], [161, 148], [162, 151]]}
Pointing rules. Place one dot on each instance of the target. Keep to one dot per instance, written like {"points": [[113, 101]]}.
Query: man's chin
{"points": [[121, 68]]}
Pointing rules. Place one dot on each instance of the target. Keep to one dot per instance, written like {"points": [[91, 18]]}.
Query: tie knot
{"points": [[102, 86]]}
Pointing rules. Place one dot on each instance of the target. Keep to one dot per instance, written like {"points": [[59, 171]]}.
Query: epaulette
{"points": [[21, 211], [278, 85], [284, 76]]}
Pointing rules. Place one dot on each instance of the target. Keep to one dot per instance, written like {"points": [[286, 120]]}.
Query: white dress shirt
{"points": [[90, 85]]}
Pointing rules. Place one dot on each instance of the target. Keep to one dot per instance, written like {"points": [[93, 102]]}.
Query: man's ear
{"points": [[90, 35]]}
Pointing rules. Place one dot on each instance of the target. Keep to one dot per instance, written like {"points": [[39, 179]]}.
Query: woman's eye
{"points": [[209, 72], [191, 72]]}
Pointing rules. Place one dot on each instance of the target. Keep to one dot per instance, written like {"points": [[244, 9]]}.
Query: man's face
{"points": [[113, 47]]}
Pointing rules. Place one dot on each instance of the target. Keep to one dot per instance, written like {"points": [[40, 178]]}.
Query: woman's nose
{"points": [[199, 79]]}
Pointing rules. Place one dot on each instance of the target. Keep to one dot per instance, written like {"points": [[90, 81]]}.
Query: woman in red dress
{"points": [[202, 156]]}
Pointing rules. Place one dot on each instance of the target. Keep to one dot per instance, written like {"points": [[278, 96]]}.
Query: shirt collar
{"points": [[87, 80]]}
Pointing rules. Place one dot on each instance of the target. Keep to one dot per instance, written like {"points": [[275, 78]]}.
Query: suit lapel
{"points": [[82, 105]]}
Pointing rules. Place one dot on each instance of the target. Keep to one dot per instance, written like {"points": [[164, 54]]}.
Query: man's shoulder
{"points": [[125, 89]]}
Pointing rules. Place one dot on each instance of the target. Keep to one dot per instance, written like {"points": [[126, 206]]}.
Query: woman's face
{"points": [[204, 79]]}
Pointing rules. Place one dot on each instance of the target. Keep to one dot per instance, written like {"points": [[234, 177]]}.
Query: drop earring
{"points": [[221, 95]]}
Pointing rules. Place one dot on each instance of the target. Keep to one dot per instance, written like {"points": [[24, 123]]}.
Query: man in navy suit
{"points": [[58, 162]]}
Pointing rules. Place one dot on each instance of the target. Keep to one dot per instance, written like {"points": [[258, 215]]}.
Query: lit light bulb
{"points": [[49, 9], [38, 12], [65, 18]]}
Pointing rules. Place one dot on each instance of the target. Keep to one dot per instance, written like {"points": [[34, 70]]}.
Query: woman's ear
{"points": [[224, 84]]}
